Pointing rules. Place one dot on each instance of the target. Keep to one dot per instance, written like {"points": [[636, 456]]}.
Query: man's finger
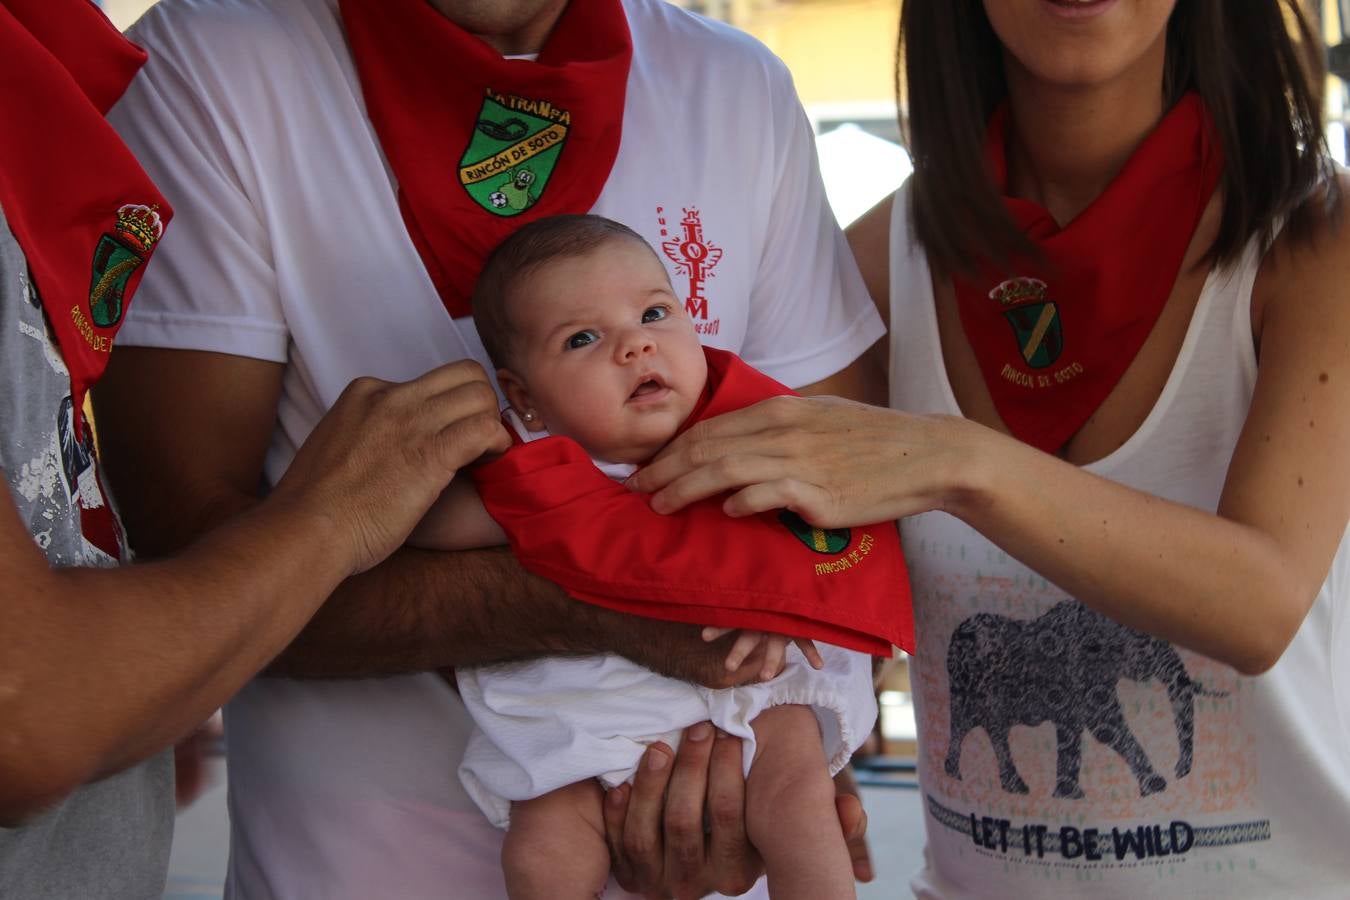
{"points": [[615, 814], [642, 838], [733, 862], [853, 821], [684, 811], [448, 377]]}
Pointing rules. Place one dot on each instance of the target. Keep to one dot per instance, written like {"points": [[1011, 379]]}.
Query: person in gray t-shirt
{"points": [[103, 665]]}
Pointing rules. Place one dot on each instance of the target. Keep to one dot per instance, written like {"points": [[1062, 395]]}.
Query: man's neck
{"points": [[514, 28]]}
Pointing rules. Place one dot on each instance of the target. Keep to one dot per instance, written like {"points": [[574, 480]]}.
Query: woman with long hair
{"points": [[1120, 391]]}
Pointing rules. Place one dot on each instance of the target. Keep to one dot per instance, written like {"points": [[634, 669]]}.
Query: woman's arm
{"points": [[1234, 586]]}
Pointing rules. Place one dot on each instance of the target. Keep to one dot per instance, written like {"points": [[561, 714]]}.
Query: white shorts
{"points": [[549, 723]]}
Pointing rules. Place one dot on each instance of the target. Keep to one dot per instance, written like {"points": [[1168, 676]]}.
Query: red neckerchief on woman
{"points": [[1054, 336], [84, 212], [572, 524], [481, 145]]}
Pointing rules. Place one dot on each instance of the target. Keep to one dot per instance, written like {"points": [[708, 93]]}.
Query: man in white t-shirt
{"points": [[308, 249]]}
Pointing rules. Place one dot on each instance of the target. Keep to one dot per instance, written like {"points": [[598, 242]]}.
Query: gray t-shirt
{"points": [[109, 839]]}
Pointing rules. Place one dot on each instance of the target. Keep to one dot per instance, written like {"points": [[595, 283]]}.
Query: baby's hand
{"points": [[775, 650]]}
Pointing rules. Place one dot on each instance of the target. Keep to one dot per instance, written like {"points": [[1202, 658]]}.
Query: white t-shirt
{"points": [[1177, 777], [288, 245]]}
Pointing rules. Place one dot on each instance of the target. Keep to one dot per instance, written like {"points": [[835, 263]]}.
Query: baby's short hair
{"points": [[519, 256]]}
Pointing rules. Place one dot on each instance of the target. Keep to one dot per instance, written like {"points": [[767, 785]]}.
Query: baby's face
{"points": [[605, 353]]}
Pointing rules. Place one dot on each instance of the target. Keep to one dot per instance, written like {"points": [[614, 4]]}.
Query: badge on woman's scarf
{"points": [[1054, 335], [481, 144], [85, 213]]}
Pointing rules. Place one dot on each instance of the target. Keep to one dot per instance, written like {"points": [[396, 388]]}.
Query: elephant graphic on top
{"points": [[1062, 667]]}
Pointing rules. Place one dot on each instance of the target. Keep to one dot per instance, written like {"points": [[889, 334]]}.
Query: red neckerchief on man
{"points": [[570, 523], [481, 145], [1054, 336], [84, 212]]}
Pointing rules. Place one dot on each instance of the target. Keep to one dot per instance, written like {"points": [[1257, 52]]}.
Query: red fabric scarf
{"points": [[1053, 337], [85, 213], [482, 145], [570, 523]]}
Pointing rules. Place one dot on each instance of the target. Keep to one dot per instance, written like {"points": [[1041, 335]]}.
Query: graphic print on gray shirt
{"points": [[109, 839]]}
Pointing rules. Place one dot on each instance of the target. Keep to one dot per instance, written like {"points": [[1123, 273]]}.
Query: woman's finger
{"points": [[723, 474], [810, 501]]}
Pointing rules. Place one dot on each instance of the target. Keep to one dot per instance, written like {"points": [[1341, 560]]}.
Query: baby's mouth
{"points": [[646, 387]]}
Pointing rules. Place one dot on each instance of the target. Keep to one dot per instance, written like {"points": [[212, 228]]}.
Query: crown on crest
{"points": [[1019, 290], [140, 225]]}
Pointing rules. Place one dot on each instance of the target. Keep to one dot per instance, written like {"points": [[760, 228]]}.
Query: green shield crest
{"points": [[821, 540], [1038, 331], [113, 264], [510, 157]]}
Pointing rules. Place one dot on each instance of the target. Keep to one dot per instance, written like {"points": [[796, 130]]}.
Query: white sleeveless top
{"points": [[1061, 755]]}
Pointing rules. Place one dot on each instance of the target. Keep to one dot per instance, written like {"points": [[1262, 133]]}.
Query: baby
{"points": [[592, 344]]}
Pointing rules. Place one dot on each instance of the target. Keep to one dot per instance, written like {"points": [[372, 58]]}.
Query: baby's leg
{"points": [[555, 848], [789, 809]]}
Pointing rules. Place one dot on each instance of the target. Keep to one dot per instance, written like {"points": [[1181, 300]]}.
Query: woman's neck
{"points": [[1065, 145]]}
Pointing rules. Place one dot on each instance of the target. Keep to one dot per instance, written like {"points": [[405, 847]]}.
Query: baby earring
{"points": [[527, 416]]}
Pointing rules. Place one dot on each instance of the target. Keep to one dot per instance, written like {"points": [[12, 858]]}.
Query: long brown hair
{"points": [[1260, 84]]}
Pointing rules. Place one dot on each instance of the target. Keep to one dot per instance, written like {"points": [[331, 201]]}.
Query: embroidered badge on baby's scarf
{"points": [[1053, 337], [481, 144], [85, 213], [570, 523]]}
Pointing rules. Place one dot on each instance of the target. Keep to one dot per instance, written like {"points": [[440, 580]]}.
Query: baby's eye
{"points": [[580, 339], [655, 314]]}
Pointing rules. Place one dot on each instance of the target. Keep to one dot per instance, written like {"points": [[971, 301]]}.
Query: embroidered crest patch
{"points": [[1034, 319], [116, 256], [821, 540], [512, 152]]}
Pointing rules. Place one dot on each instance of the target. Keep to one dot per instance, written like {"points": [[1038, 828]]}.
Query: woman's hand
{"points": [[833, 462]]}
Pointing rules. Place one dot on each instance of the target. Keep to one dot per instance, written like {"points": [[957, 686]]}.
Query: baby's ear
{"points": [[519, 397]]}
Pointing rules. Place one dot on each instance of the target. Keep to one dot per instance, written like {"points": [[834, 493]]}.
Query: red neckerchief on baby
{"points": [[571, 524], [1053, 337], [481, 145], [85, 213]]}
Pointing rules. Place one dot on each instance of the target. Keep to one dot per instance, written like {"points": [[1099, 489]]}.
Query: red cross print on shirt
{"points": [[694, 258]]}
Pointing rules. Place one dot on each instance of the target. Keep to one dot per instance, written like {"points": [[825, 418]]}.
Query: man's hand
{"points": [[382, 455], [658, 845]]}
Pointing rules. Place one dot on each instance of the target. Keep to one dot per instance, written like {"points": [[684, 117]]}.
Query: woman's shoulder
{"points": [[1308, 260]]}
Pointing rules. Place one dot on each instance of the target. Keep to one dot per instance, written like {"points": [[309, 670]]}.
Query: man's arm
{"points": [[184, 434], [100, 668]]}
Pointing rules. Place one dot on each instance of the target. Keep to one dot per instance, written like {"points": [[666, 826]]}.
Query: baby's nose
{"points": [[637, 345]]}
